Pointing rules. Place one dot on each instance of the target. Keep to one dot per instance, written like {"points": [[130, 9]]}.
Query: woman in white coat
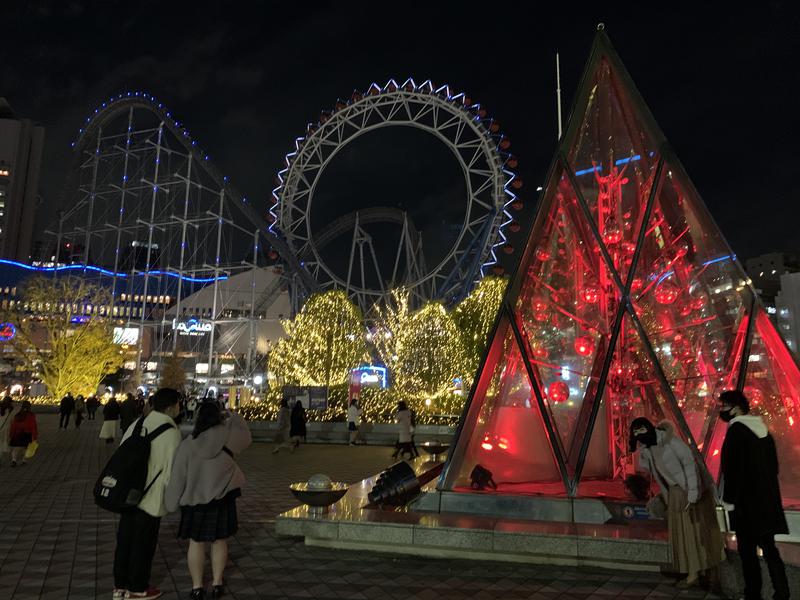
{"points": [[697, 545]]}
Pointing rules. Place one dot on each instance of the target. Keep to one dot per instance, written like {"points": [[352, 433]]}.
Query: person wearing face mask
{"points": [[696, 540], [752, 495]]}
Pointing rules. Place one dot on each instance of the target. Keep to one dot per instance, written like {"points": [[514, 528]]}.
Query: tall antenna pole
{"points": [[558, 94]]}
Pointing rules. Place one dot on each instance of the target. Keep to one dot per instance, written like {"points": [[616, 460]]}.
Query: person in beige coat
{"points": [[137, 535], [697, 547], [204, 484]]}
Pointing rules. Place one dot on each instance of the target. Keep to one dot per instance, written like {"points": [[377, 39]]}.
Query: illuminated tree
{"points": [[61, 337], [322, 344], [173, 375], [474, 317]]}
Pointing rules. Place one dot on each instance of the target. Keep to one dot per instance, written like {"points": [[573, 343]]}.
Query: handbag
{"points": [[30, 451]]}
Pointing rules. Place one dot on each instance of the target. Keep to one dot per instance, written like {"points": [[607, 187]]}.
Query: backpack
{"points": [[123, 482]]}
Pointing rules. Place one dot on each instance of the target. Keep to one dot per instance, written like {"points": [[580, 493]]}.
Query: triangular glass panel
{"points": [[633, 389], [614, 158], [772, 384], [692, 298], [566, 308], [503, 430]]}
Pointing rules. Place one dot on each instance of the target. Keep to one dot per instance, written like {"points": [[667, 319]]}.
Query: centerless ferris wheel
{"points": [[473, 138]]}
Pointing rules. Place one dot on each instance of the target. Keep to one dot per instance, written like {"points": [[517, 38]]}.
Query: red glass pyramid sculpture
{"points": [[627, 302]]}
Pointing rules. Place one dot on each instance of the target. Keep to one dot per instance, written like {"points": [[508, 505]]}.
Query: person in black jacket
{"points": [[110, 420], [128, 411], [297, 422], [65, 410], [750, 491]]}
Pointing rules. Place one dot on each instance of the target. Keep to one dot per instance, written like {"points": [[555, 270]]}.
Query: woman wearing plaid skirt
{"points": [[205, 483]]}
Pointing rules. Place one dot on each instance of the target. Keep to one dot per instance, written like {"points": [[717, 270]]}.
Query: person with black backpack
{"points": [[135, 488]]}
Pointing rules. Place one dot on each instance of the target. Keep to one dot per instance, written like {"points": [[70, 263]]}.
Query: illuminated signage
{"points": [[127, 336], [371, 376], [193, 327], [7, 331]]}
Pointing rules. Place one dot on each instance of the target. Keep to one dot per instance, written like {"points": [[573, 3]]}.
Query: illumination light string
{"points": [[471, 110], [102, 271]]}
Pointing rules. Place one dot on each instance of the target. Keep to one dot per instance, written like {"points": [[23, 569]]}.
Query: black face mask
{"points": [[725, 415], [648, 439]]}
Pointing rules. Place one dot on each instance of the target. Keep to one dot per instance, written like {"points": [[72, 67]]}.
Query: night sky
{"points": [[723, 85]]}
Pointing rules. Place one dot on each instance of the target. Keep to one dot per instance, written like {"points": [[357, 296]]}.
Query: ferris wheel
{"points": [[473, 138]]}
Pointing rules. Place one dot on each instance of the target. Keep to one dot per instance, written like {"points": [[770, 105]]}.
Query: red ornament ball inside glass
{"points": [[558, 392], [542, 254], [612, 233], [584, 345], [590, 294], [667, 292]]}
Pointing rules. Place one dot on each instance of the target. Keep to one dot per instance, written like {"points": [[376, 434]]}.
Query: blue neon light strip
{"points": [[705, 264], [102, 271], [621, 161], [625, 161]]}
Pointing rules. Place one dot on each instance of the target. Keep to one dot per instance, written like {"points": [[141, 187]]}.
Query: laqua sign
{"points": [[7, 331], [194, 327]]}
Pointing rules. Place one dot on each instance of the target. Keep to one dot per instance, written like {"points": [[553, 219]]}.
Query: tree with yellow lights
{"points": [[60, 337], [173, 374], [475, 316], [423, 350], [322, 344]]}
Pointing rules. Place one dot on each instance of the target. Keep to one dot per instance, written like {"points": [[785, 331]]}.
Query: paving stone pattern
{"points": [[56, 545]]}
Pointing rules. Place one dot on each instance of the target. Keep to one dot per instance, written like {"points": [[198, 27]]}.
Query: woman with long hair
{"points": [[297, 424], [283, 436], [405, 438], [23, 432], [205, 482], [696, 540]]}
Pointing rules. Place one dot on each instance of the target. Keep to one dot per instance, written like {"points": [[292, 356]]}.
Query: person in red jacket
{"points": [[23, 432]]}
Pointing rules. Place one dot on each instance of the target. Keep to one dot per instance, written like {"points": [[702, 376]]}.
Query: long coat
{"points": [[750, 481], [298, 422]]}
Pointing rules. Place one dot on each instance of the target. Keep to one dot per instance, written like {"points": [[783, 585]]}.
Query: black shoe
{"points": [[197, 594], [218, 591]]}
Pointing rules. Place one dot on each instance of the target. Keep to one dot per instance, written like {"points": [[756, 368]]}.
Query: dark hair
{"points": [[164, 398], [636, 424], [129, 396], [284, 403], [25, 408], [401, 405], [735, 398], [6, 405], [209, 415]]}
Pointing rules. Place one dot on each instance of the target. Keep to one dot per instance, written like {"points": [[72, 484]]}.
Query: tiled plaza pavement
{"points": [[55, 544]]}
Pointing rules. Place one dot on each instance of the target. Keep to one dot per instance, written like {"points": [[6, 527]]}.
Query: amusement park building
{"points": [[21, 143]]}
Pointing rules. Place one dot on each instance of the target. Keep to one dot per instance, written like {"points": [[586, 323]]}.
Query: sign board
{"points": [[372, 376], [7, 331], [193, 327], [311, 397], [127, 336]]}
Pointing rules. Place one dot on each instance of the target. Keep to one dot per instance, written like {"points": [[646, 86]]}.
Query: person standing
{"points": [[696, 540], [65, 410], [204, 484], [353, 420], [23, 431], [404, 420], [80, 409], [137, 534], [297, 425], [7, 413], [191, 407], [110, 420], [752, 495], [128, 411], [284, 427], [91, 406]]}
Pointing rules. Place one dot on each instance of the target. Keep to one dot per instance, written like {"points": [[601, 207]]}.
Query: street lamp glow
{"points": [[258, 380]]}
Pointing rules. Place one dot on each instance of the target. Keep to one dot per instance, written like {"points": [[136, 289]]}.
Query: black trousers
{"points": [[137, 537], [748, 544], [64, 421]]}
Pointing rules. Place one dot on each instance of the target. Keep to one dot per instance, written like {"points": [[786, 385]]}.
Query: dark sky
{"points": [[246, 78]]}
